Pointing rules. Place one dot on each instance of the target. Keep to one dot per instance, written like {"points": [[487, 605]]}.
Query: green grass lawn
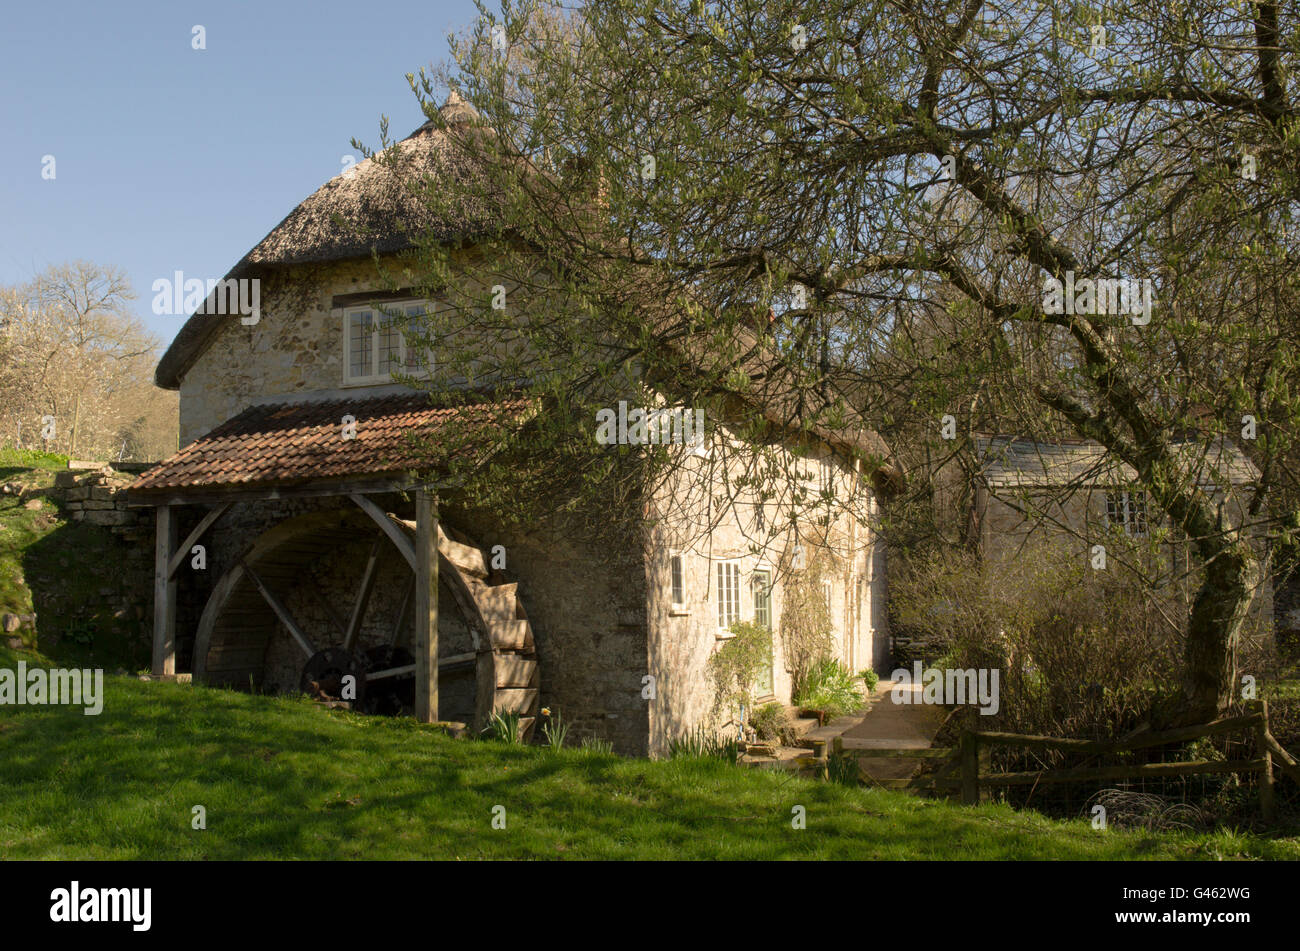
{"points": [[286, 779]]}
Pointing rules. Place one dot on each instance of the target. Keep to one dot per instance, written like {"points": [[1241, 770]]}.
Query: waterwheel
{"points": [[244, 611]]}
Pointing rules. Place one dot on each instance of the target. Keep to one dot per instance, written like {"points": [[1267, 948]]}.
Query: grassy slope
{"points": [[285, 779]]}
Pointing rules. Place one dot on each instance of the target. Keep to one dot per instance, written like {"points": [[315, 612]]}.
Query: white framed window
{"points": [[761, 589], [1128, 511], [826, 476], [728, 595], [374, 347], [828, 592], [677, 582]]}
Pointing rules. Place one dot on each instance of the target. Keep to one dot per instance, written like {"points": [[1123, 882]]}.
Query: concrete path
{"points": [[887, 724]]}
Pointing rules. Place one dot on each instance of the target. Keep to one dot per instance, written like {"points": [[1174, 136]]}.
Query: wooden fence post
{"points": [[819, 753], [1267, 800], [970, 768]]}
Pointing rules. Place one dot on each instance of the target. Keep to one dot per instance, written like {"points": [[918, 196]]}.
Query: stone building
{"points": [[294, 542], [1070, 498]]}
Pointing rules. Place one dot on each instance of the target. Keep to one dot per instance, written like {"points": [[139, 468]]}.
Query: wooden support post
{"points": [[183, 551], [164, 595], [1267, 800], [970, 768], [425, 633]]}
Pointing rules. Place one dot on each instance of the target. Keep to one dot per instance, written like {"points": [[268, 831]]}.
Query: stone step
{"points": [[801, 726], [827, 733]]}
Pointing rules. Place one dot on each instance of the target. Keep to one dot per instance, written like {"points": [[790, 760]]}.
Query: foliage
{"points": [[869, 678], [12, 457], [592, 744], [504, 727], [80, 631], [843, 768], [554, 730], [1079, 652], [829, 688], [770, 721], [807, 630], [73, 350], [902, 188], [702, 743], [734, 667]]}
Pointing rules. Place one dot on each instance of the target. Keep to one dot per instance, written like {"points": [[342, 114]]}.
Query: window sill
{"points": [[679, 610]]}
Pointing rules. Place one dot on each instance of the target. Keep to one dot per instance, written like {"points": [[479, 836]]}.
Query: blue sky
{"points": [[169, 158]]}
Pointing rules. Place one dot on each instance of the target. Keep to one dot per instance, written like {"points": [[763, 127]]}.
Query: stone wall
{"points": [[586, 602], [295, 351], [689, 523], [98, 497]]}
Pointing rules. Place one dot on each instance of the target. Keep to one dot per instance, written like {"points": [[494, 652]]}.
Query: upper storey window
{"points": [[374, 347]]}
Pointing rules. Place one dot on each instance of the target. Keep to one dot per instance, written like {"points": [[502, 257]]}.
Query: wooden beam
{"points": [[1133, 742], [390, 528], [178, 558], [1267, 795], [444, 664], [425, 631], [215, 495], [1284, 761], [164, 595], [280, 610], [363, 594], [401, 613], [1107, 773]]}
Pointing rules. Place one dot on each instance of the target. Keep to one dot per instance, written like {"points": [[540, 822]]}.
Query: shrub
{"points": [[870, 678], [1080, 652], [769, 721], [830, 688], [735, 666]]}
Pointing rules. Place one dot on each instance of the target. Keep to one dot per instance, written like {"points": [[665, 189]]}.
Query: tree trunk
{"points": [[1219, 610]]}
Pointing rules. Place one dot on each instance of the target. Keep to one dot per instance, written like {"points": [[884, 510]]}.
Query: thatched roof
{"points": [[370, 208], [373, 209]]}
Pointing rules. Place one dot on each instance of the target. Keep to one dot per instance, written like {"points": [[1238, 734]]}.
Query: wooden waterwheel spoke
{"points": [[363, 593], [280, 610]]}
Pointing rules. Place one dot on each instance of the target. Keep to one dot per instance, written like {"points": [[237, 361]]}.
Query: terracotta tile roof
{"points": [[294, 442]]}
